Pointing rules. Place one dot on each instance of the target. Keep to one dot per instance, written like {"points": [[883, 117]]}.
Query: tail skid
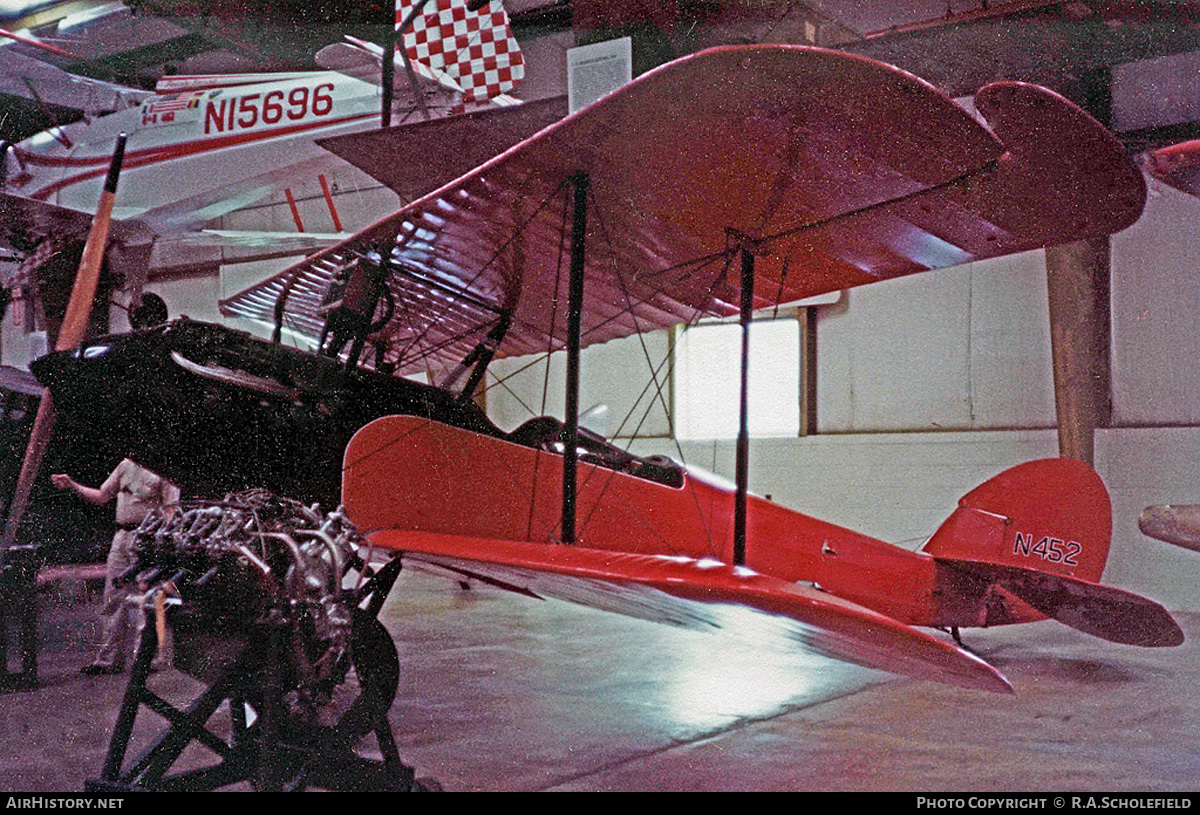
{"points": [[1032, 542]]}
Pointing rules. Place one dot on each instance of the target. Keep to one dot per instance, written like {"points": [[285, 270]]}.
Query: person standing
{"points": [[137, 491]]}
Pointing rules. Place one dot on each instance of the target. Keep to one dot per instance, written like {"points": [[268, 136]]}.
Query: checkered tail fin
{"points": [[474, 50]]}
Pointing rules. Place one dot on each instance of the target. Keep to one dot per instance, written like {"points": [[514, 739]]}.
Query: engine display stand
{"points": [[277, 751], [18, 611]]}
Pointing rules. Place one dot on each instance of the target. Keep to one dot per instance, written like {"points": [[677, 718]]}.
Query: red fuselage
{"points": [[431, 477]]}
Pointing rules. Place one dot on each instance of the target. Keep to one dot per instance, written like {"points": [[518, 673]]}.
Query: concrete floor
{"points": [[501, 692]]}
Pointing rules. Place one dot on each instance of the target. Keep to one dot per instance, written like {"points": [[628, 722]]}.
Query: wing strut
{"points": [[579, 187], [743, 440], [479, 359], [397, 39], [388, 65]]}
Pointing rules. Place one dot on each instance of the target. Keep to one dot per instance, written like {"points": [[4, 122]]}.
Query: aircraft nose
{"points": [[53, 368], [64, 372]]}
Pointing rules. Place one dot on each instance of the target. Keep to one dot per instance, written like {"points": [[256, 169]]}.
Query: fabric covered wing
{"points": [[691, 593], [25, 215], [477, 137], [834, 169]]}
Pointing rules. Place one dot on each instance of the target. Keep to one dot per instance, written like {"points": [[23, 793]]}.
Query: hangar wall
{"points": [[1156, 313]]}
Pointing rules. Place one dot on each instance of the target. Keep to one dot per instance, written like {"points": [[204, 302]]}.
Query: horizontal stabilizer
{"points": [[43, 219], [697, 594], [1177, 165], [1102, 611]]}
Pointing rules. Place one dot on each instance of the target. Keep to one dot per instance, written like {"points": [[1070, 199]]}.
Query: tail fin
{"points": [[469, 43], [1052, 515], [1036, 538]]}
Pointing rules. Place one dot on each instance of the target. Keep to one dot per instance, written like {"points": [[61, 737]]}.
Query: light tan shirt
{"points": [[137, 491]]}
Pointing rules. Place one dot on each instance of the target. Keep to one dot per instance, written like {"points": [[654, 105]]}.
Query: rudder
{"points": [[1050, 515]]}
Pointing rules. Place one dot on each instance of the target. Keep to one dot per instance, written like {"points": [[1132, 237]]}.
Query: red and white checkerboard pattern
{"points": [[475, 48], [47, 248]]}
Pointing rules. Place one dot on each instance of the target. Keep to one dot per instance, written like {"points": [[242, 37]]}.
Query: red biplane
{"points": [[731, 180], [728, 181]]}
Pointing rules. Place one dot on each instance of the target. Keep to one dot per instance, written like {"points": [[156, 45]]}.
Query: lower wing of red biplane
{"points": [[831, 170], [695, 594]]}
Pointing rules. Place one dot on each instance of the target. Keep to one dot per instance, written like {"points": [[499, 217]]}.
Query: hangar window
{"points": [[707, 372]]}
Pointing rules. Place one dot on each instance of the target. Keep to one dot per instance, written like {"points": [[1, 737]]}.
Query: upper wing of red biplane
{"points": [[836, 169]]}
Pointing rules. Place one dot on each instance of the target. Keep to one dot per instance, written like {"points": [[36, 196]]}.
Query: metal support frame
{"points": [[579, 187], [18, 608], [275, 752], [389, 72]]}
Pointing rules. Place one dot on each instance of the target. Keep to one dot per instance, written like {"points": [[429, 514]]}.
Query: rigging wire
{"points": [[630, 309], [467, 285]]}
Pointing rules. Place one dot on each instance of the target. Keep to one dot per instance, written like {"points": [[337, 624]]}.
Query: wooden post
{"points": [[807, 317], [1077, 276]]}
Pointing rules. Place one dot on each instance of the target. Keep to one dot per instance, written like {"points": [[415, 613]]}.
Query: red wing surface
{"points": [[839, 170], [697, 594], [1177, 165]]}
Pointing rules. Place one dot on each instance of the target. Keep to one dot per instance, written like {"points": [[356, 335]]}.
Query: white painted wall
{"points": [[956, 349], [1156, 313], [1144, 467]]}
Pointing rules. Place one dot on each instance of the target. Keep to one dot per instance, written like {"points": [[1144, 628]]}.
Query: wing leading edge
{"points": [[697, 594], [837, 169]]}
